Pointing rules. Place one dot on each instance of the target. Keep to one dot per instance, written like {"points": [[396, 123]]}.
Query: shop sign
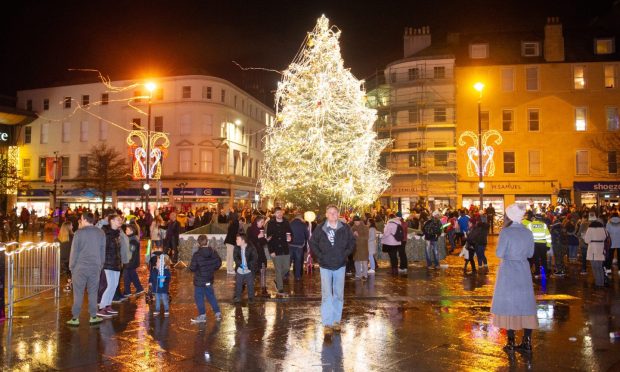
{"points": [[199, 191], [504, 186], [601, 186]]}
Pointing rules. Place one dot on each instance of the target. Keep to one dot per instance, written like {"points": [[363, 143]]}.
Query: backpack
{"points": [[430, 230], [399, 234]]}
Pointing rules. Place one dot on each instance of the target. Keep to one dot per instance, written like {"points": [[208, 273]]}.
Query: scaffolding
{"points": [[415, 103]]}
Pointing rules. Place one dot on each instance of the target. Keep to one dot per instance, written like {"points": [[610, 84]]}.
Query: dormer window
{"points": [[604, 46], [479, 51], [530, 48]]}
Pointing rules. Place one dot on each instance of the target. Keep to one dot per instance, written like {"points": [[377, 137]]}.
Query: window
{"points": [[103, 131], [67, 102], [250, 162], [223, 162], [507, 121], [84, 131], [610, 76], [223, 95], [28, 134], [44, 132], [612, 118], [531, 78], [206, 161], [579, 77], [509, 162], [137, 95], [484, 120], [439, 72], [29, 105], [441, 159], [207, 93], [478, 51], [439, 115], [242, 105], [187, 92], [42, 166], [158, 124], [66, 132], [207, 124], [392, 77], [85, 100], [582, 162], [612, 162], [414, 116], [46, 104], [508, 79], [530, 49], [64, 170], [533, 120], [440, 144], [105, 98], [135, 124], [83, 167], [580, 119], [414, 160], [604, 46], [533, 157], [413, 73], [26, 168], [185, 127], [235, 101], [185, 160], [413, 145]]}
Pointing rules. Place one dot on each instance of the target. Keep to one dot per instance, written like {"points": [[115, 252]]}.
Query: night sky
{"points": [[133, 39]]}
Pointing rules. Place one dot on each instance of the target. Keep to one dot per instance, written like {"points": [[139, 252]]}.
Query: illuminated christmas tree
{"points": [[321, 148]]}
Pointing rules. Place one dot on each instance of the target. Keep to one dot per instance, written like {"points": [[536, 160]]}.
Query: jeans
{"points": [[248, 279], [230, 262], [371, 259], [111, 278], [584, 253], [540, 258], [609, 259], [482, 259], [572, 252], [402, 254], [84, 279], [361, 269], [282, 264], [599, 272], [130, 276], [332, 291], [199, 297], [297, 256], [452, 240], [164, 298], [431, 250]]}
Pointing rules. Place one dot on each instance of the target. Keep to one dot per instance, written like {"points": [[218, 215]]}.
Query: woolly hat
{"points": [[399, 214], [591, 216], [515, 212], [436, 214]]}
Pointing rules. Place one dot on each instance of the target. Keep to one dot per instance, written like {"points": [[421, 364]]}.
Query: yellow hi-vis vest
{"points": [[541, 232]]}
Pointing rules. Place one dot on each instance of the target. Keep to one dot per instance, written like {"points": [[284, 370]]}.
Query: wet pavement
{"points": [[428, 321]]}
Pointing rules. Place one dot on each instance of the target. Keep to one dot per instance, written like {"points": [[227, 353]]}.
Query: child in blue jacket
{"points": [[159, 280]]}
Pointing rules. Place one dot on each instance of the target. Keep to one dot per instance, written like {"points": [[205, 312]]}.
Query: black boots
{"points": [[510, 344], [526, 345]]}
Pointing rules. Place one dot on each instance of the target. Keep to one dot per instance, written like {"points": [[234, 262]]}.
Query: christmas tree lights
{"points": [[321, 148]]}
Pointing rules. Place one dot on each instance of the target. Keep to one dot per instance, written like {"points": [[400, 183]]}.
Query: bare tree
{"points": [[107, 171], [603, 145]]}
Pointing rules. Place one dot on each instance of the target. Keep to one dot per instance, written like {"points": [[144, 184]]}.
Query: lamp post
{"points": [[56, 173], [479, 87], [147, 187], [182, 186]]}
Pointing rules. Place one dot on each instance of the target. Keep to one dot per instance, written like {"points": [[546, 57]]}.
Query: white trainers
{"points": [[371, 271], [202, 318]]}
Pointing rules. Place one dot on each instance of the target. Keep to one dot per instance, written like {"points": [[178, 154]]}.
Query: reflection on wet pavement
{"points": [[429, 320]]}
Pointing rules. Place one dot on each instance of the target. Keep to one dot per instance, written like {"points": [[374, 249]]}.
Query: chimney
{"points": [[554, 40], [416, 40]]}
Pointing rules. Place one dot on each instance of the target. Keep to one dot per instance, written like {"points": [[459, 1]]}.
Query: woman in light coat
{"points": [[514, 304], [595, 239], [372, 245]]}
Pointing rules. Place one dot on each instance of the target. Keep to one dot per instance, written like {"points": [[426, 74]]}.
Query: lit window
{"points": [[579, 77], [531, 78], [612, 118], [610, 76], [414, 160], [507, 120], [44, 132], [508, 79], [84, 131], [66, 132], [530, 49], [206, 161], [580, 119], [478, 51], [604, 46], [185, 160], [534, 162], [582, 163], [533, 120], [64, 166], [509, 162], [26, 168]]}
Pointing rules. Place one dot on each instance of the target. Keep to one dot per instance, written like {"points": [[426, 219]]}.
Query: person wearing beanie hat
{"points": [[514, 305]]}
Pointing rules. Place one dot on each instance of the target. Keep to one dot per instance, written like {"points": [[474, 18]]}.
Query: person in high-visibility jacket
{"points": [[542, 243]]}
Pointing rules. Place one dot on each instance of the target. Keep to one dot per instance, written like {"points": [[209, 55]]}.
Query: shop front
{"points": [[596, 192], [533, 194]]}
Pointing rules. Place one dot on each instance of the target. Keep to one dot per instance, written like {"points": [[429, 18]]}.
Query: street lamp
{"points": [[479, 87], [182, 186], [150, 86]]}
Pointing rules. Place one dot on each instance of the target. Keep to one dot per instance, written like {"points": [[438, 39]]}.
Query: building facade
{"points": [[415, 102], [548, 114], [215, 131]]}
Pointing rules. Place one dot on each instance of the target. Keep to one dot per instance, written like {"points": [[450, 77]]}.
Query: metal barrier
{"points": [[31, 269]]}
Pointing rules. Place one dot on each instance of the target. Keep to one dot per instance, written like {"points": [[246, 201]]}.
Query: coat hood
{"points": [[205, 252], [615, 220]]}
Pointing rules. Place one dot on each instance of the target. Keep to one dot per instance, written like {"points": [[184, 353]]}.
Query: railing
{"points": [[31, 269]]}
